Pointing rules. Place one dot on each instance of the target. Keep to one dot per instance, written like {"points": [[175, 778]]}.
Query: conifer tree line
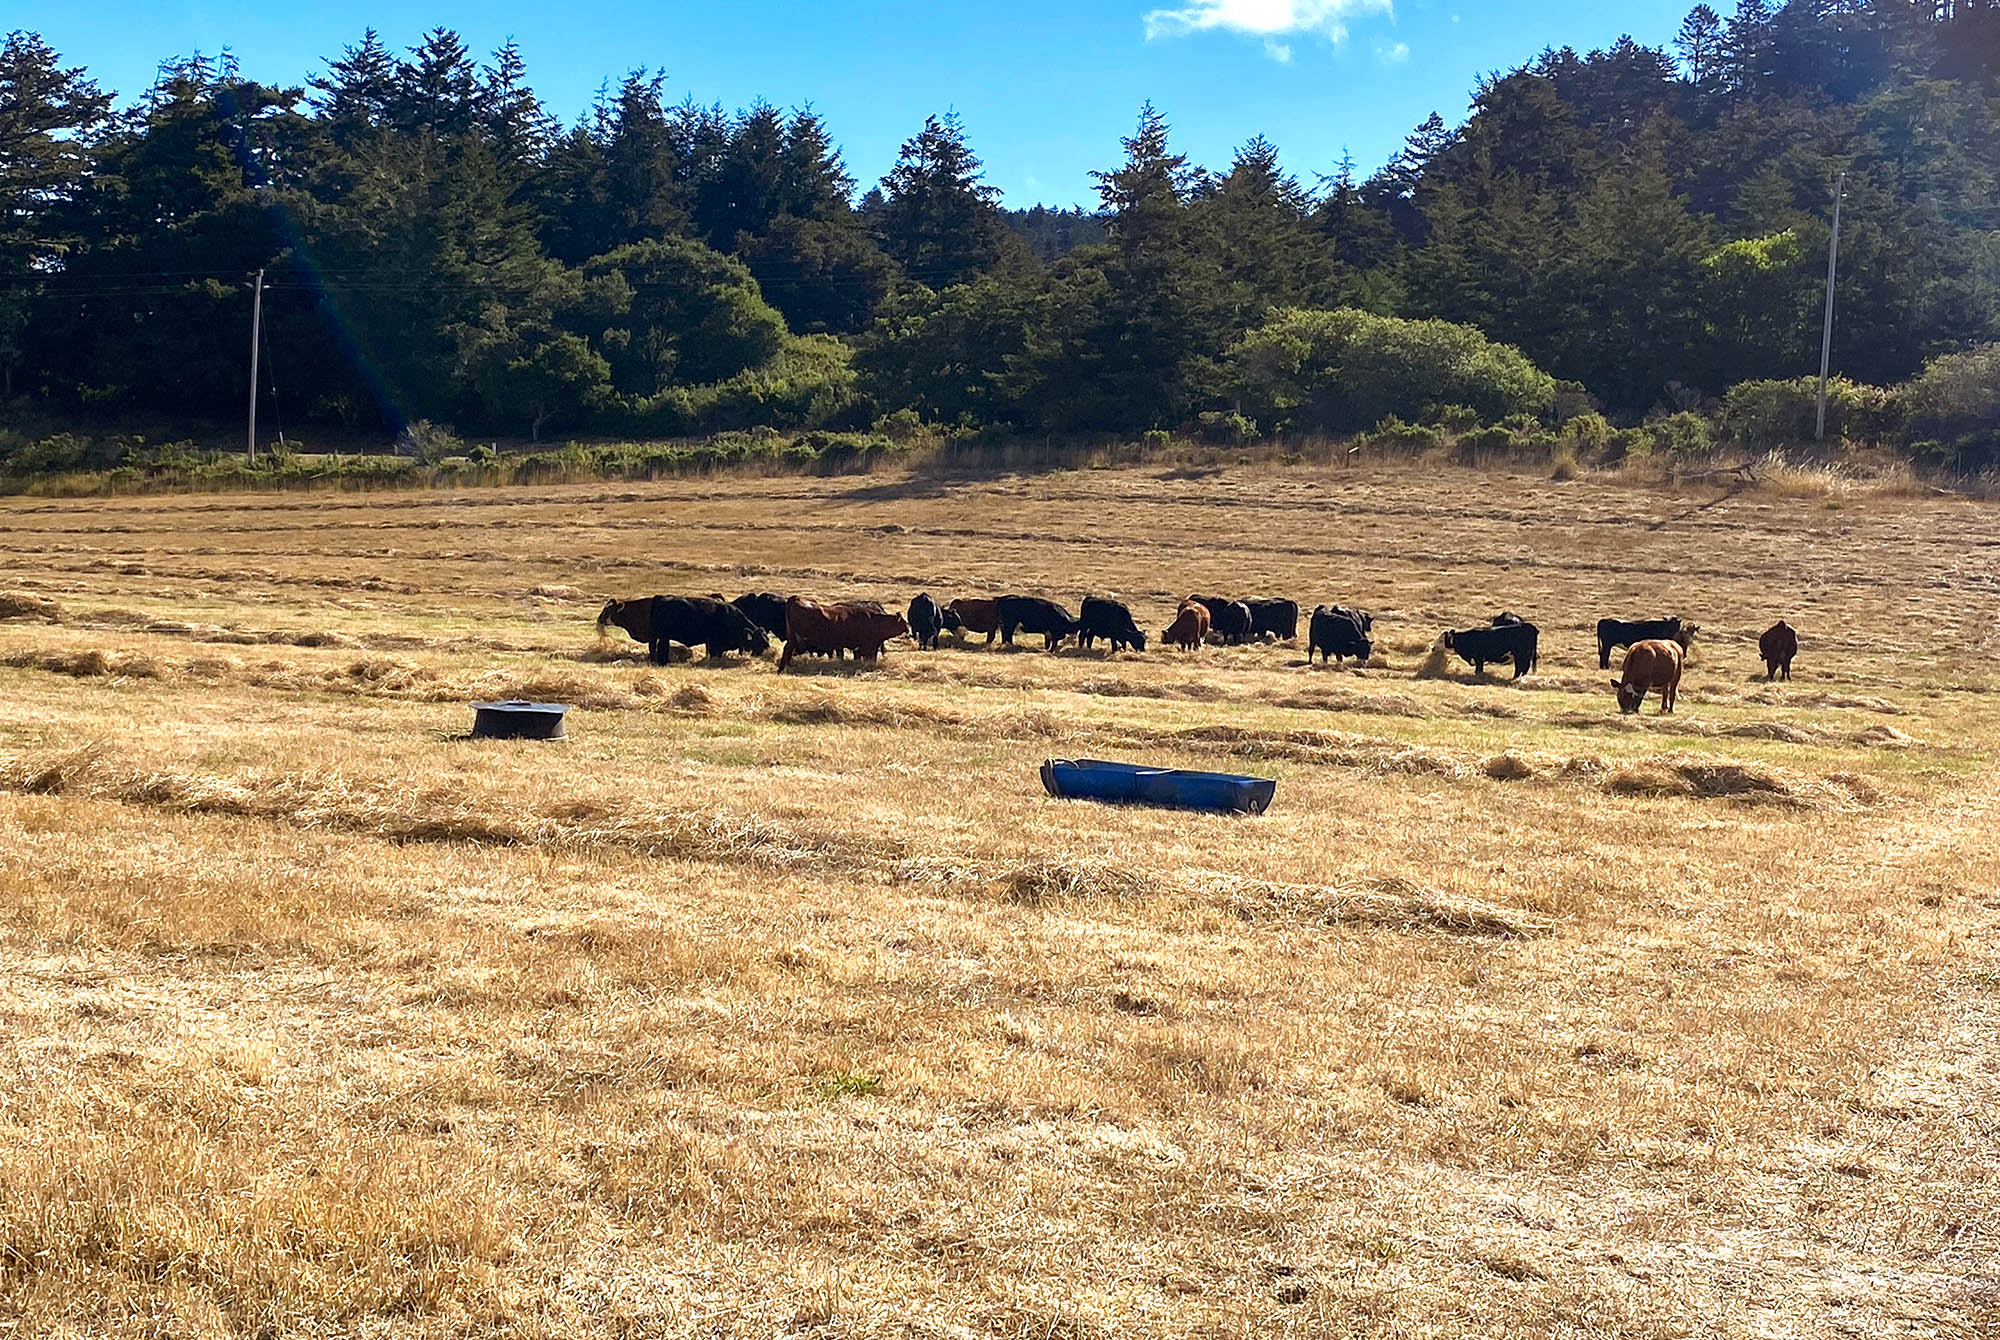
{"points": [[1635, 227]]}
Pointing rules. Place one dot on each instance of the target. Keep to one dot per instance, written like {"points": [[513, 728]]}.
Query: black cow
{"points": [[926, 621], [1032, 614], [1336, 633], [702, 621], [1623, 633], [1278, 617], [1507, 619], [766, 610], [1505, 642], [1110, 620], [1227, 619]]}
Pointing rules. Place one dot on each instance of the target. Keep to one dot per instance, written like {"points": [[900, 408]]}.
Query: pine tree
{"points": [[937, 216]]}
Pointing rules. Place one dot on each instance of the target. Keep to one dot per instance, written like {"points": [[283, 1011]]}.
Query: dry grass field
{"points": [[770, 1005]]}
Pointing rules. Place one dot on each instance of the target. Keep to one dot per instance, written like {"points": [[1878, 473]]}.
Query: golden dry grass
{"points": [[766, 1005]]}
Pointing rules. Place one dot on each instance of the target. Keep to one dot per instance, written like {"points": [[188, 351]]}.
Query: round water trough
{"points": [[518, 719]]}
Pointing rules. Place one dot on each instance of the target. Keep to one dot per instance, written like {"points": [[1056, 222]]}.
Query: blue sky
{"points": [[1045, 87]]}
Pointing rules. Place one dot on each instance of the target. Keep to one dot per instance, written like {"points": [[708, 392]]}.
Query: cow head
{"points": [[1686, 635], [634, 616], [1629, 696]]}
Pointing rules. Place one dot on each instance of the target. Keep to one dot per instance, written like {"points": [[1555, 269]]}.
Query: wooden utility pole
{"points": [[256, 338], [1826, 330]]}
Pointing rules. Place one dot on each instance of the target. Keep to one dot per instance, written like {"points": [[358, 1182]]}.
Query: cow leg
{"points": [[1603, 656]]}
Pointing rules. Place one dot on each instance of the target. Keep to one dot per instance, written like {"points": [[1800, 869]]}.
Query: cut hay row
{"points": [[449, 813]]}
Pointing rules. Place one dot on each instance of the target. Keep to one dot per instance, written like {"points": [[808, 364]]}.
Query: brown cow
{"points": [[828, 630], [1778, 645], [1652, 664], [1189, 628], [974, 616]]}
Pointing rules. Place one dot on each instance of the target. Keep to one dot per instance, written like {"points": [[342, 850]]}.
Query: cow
{"points": [[766, 610], [861, 627], [1335, 633], [973, 616], [1507, 619], [1777, 646], [1227, 619], [1653, 663], [1623, 633], [1362, 618], [1278, 617], [1507, 642], [693, 621], [926, 620], [1110, 620], [1189, 628], [1032, 614]]}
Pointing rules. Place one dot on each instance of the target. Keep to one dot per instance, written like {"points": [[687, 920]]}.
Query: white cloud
{"points": [[1393, 55], [1268, 19], [1280, 52]]}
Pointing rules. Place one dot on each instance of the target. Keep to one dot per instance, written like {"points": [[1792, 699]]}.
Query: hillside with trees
{"points": [[1632, 232]]}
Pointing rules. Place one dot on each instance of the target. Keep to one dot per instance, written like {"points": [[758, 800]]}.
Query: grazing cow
{"points": [[693, 621], [1111, 620], [1227, 619], [973, 616], [1032, 614], [1654, 663], [1507, 642], [1778, 645], [1278, 617], [1189, 628], [1335, 634], [1623, 633], [926, 619], [765, 609], [861, 627], [1363, 618]]}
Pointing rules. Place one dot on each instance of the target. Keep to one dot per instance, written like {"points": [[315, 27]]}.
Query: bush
{"points": [[1156, 438], [1453, 418], [1339, 371], [901, 426], [1951, 410], [1393, 432], [1226, 429], [1484, 444], [1683, 435], [1588, 432], [482, 455], [1630, 444], [1771, 415], [428, 442]]}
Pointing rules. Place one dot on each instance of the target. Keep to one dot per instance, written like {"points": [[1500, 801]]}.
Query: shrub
{"points": [[1227, 429], [1770, 415], [1683, 435], [901, 426], [1483, 444], [428, 442], [1156, 438], [1338, 371], [1630, 444], [1952, 409], [1393, 432], [1588, 432], [1453, 418], [482, 455]]}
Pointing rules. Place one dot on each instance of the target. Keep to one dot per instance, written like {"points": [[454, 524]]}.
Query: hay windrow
{"points": [[1391, 902], [28, 605]]}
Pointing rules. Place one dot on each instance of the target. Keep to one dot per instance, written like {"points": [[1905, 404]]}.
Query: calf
{"points": [[1032, 614], [1623, 633], [1189, 628], [1506, 642], [1227, 619], [1777, 646], [861, 627], [1278, 617], [1335, 633], [926, 621], [973, 616], [1110, 620], [1654, 663]]}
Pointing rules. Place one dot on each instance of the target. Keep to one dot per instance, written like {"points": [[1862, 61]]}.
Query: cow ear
{"points": [[1616, 685]]}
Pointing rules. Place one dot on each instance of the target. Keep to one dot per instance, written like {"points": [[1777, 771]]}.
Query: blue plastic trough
{"points": [[1175, 788], [519, 720]]}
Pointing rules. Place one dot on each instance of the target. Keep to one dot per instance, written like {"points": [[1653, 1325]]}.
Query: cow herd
{"points": [[1656, 648]]}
